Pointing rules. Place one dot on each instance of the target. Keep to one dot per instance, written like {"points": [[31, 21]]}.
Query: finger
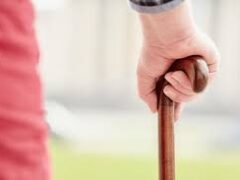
{"points": [[151, 100], [182, 79], [146, 90], [177, 96], [150, 67], [178, 85], [209, 51], [178, 110]]}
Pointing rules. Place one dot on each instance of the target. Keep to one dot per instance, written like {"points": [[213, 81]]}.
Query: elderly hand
{"points": [[169, 36]]}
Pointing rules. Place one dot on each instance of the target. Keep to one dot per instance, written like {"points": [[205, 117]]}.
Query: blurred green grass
{"points": [[69, 164]]}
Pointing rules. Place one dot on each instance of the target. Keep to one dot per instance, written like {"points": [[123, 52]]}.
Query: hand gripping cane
{"points": [[197, 71]]}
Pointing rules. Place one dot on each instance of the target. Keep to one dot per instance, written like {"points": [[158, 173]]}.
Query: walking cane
{"points": [[197, 71]]}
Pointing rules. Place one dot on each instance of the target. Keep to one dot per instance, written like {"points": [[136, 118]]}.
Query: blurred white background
{"points": [[89, 54], [90, 49]]}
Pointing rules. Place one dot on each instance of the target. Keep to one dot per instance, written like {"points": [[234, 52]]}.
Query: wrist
{"points": [[168, 27]]}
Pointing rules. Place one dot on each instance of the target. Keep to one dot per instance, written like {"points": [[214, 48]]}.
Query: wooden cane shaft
{"points": [[196, 70], [166, 145]]}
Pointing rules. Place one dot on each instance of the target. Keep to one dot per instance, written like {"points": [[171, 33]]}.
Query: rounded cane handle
{"points": [[196, 70]]}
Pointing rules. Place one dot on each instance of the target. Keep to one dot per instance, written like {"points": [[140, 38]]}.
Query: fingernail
{"points": [[169, 93], [173, 75], [169, 74], [167, 77], [165, 90]]}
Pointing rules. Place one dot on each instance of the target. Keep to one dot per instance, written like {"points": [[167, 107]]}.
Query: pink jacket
{"points": [[23, 131]]}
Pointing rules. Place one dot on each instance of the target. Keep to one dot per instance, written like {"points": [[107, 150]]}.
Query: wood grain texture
{"points": [[197, 71]]}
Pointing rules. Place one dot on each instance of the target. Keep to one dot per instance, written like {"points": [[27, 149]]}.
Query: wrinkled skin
{"points": [[168, 36]]}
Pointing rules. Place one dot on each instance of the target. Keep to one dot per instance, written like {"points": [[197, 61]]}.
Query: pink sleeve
{"points": [[23, 131]]}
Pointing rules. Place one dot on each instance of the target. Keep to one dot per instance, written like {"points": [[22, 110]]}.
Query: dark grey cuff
{"points": [[154, 6]]}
